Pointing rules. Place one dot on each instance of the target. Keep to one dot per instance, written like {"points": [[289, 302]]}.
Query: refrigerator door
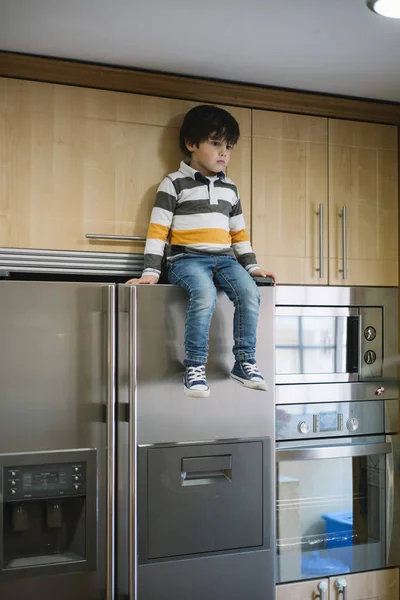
{"points": [[163, 437], [57, 440]]}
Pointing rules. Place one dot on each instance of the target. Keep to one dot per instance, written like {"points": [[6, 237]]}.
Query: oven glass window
{"points": [[311, 344], [330, 516]]}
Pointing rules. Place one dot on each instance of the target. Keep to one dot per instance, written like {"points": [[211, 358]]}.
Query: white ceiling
{"points": [[333, 46]]}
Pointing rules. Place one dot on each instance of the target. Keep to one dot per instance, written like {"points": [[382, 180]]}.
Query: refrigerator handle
{"points": [[132, 447], [111, 382]]}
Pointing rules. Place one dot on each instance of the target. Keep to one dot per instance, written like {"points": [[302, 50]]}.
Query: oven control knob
{"points": [[370, 333], [379, 391], [13, 491], [13, 482], [370, 357], [303, 427], [352, 424]]}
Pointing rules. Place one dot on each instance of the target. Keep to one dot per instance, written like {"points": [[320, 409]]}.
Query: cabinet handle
{"points": [[341, 586], [343, 216], [121, 238], [320, 212], [322, 587]]}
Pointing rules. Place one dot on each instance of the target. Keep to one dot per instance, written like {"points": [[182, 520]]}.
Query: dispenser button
{"points": [[352, 424], [303, 427]]}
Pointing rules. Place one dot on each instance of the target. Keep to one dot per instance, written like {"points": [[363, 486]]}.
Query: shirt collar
{"points": [[189, 172]]}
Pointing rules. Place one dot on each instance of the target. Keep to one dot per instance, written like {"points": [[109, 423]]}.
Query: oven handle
{"points": [[320, 452]]}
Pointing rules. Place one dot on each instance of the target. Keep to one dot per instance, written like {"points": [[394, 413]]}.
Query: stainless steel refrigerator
{"points": [[113, 484]]}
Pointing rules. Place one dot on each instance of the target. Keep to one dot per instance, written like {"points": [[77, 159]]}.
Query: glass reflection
{"points": [[329, 516], [311, 344]]}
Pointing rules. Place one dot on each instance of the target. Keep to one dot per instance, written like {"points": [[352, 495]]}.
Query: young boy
{"points": [[198, 209]]}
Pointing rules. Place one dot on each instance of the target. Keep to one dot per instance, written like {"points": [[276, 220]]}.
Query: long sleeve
{"points": [[159, 226], [240, 239]]}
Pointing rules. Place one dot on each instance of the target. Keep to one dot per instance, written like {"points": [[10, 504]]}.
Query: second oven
{"points": [[338, 476]]}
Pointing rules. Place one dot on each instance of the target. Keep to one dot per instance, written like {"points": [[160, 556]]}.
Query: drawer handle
{"points": [[121, 238], [341, 586], [322, 587], [206, 470]]}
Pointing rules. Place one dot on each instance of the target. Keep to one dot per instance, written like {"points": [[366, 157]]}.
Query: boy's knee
{"points": [[203, 297], [250, 294]]}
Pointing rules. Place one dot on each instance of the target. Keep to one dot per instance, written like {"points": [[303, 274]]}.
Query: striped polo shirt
{"points": [[198, 214]]}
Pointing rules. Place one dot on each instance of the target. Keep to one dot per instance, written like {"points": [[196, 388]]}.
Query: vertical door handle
{"points": [[322, 587], [110, 442], [132, 447], [341, 586], [320, 212], [343, 216]]}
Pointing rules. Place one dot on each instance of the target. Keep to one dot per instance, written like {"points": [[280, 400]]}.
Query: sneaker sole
{"points": [[254, 385], [196, 393]]}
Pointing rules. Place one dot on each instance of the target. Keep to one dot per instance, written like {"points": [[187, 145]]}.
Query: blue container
{"points": [[339, 529], [339, 536]]}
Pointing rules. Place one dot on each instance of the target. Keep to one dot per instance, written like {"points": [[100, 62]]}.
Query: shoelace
{"points": [[251, 370], [196, 374]]}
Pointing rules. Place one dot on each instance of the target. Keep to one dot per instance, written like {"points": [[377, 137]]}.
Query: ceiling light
{"points": [[386, 8]]}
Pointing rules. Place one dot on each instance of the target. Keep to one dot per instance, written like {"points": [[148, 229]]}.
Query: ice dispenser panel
{"points": [[196, 499], [48, 512]]}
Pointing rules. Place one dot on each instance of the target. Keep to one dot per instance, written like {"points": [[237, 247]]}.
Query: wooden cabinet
{"points": [[300, 163], [76, 161], [290, 181], [363, 178], [304, 590], [374, 585]]}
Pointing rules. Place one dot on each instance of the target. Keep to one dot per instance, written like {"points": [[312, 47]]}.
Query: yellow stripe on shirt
{"points": [[200, 236], [239, 236], [158, 232]]}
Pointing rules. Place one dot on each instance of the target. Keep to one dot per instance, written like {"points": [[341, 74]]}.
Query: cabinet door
{"points": [[76, 161], [363, 178], [289, 177], [374, 585], [304, 590]]}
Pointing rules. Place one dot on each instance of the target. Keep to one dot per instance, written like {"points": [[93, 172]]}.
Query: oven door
{"points": [[331, 507]]}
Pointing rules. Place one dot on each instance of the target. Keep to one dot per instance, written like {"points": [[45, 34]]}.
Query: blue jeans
{"points": [[199, 275]]}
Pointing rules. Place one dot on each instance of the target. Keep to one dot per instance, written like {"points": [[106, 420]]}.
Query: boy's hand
{"points": [[262, 273], [149, 279]]}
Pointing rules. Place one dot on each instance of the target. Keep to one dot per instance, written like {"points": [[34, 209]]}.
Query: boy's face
{"points": [[210, 157]]}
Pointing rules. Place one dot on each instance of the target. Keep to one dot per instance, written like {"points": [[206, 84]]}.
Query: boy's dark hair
{"points": [[204, 121]]}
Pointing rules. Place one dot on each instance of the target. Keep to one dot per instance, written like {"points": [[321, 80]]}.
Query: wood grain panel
{"points": [[303, 590], [373, 585], [363, 176], [76, 161], [289, 183], [189, 88]]}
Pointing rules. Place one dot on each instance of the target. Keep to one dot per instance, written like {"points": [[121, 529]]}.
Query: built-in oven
{"points": [[338, 483], [335, 335]]}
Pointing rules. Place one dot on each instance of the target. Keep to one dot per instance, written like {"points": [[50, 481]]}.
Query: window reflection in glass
{"points": [[311, 344]]}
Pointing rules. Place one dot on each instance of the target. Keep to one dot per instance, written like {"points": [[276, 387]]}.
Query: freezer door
{"points": [[153, 412], [57, 396], [164, 413]]}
